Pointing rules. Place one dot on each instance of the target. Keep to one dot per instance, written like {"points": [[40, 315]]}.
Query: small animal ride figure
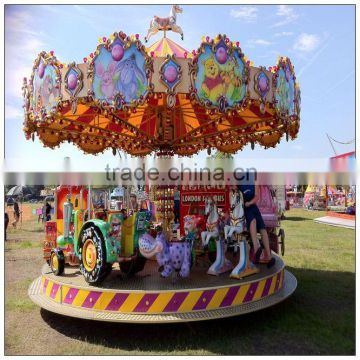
{"points": [[172, 257]]}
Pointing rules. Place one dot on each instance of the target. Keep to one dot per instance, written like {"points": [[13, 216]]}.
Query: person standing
{"points": [[134, 207], [255, 223], [48, 211], [16, 214], [6, 223]]}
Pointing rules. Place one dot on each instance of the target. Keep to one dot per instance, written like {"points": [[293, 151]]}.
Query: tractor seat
{"points": [[101, 215]]}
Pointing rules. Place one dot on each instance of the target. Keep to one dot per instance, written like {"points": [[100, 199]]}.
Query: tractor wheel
{"points": [[93, 255], [57, 261], [282, 241], [130, 268]]}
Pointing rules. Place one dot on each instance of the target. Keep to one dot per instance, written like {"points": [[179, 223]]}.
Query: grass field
{"points": [[319, 318]]}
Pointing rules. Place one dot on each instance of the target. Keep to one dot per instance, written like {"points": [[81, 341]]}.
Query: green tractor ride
{"points": [[88, 234]]}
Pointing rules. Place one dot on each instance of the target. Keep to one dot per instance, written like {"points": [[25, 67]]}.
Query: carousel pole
{"points": [[326, 197], [21, 212], [89, 202], [345, 187], [164, 224]]}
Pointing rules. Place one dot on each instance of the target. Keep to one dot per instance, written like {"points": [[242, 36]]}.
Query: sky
{"points": [[319, 40]]}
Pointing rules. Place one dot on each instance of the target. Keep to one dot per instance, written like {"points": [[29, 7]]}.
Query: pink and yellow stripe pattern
{"points": [[165, 47], [161, 302]]}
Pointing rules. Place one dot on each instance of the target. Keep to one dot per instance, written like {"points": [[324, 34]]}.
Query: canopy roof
{"points": [[161, 99], [165, 46]]}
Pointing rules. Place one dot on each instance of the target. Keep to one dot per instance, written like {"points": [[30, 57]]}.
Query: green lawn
{"points": [[319, 318]]}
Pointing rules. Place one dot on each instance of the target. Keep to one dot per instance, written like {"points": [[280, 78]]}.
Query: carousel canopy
{"points": [[165, 47], [162, 99], [312, 189]]}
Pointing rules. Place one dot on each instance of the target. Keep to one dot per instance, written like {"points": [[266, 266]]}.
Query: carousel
{"points": [[112, 264]]}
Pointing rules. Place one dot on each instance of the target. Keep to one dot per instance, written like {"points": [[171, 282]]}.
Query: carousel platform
{"points": [[337, 221], [148, 298]]}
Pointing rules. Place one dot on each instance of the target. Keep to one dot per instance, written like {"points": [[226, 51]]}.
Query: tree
{"points": [[221, 155]]}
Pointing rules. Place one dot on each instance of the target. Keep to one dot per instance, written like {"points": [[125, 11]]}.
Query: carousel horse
{"points": [[236, 228], [237, 215], [165, 24], [221, 264]]}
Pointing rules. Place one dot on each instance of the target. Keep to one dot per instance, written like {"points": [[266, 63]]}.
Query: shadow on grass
{"points": [[296, 218], [38, 230], [319, 318]]}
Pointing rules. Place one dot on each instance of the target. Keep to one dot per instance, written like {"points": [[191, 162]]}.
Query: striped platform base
{"points": [[148, 298]]}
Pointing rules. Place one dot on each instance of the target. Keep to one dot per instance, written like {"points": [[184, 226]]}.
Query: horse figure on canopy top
{"points": [[165, 24]]}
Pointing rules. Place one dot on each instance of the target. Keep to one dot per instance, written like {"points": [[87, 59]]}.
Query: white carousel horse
{"points": [[237, 226], [165, 24], [221, 264], [237, 215], [212, 222]]}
